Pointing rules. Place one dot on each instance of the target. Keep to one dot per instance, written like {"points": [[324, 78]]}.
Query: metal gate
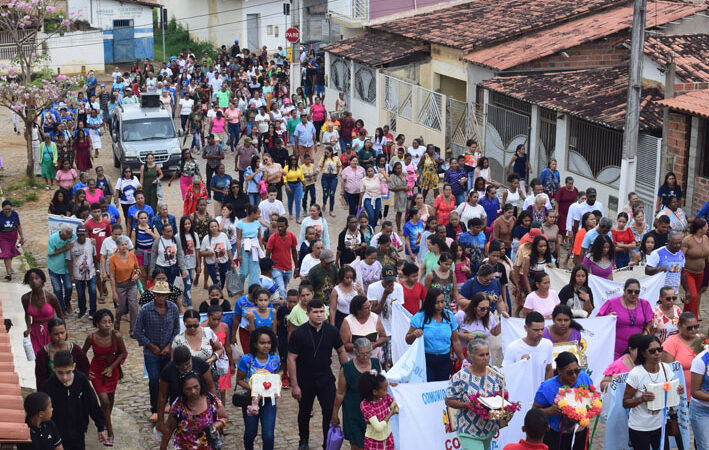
{"points": [[458, 126], [547, 138], [253, 32], [123, 37], [504, 130], [647, 175]]}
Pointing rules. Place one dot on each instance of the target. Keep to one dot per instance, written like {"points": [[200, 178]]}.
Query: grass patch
{"points": [[28, 260], [31, 197], [177, 37]]}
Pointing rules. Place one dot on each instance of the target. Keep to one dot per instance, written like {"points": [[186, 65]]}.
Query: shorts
{"points": [[308, 89], [320, 89], [143, 256]]}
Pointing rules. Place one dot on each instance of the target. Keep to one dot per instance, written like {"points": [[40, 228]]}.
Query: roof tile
{"points": [[472, 25], [695, 103], [576, 32], [13, 428], [367, 48], [596, 95], [690, 53]]}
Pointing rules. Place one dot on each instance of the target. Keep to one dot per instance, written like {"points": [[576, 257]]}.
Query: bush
{"points": [[177, 37]]}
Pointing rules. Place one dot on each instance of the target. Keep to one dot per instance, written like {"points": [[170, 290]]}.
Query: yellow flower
{"points": [[597, 403], [584, 422], [563, 403], [581, 411]]}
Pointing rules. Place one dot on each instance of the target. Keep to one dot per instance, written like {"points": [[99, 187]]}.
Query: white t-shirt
{"points": [[109, 247], [583, 208], [541, 356], [262, 120], [167, 252], [374, 294], [467, 212], [187, 106], [229, 229], [82, 258], [308, 263], [190, 257], [530, 201], [416, 154], [699, 368], [267, 208], [641, 418], [219, 245]]}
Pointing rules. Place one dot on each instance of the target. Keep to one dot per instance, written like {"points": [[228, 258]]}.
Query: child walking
{"points": [[377, 407]]}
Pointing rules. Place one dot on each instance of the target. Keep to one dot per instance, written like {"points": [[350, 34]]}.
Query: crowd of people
{"points": [[425, 229]]}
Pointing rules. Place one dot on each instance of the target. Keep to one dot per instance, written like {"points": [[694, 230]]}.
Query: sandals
{"points": [[8, 277], [108, 442]]}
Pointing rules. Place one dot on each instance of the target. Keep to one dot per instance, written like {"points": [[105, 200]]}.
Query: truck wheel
{"points": [[116, 162]]}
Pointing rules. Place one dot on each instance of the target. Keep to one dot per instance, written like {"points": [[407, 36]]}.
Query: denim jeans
{"points": [[81, 286], [61, 285], [196, 140], [352, 202], [187, 283], [183, 121], [699, 418], [460, 198], [295, 194], [234, 130], [282, 277], [218, 278], [308, 189], [154, 365], [254, 198], [210, 173], [438, 367], [267, 417], [373, 213], [343, 144], [329, 189], [171, 271]]}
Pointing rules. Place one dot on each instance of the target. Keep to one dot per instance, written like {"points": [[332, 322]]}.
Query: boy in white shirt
{"points": [[534, 347]]}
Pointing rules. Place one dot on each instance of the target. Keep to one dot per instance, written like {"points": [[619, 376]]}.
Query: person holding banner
{"points": [[563, 433], [577, 295], [678, 347], [474, 432], [634, 314], [625, 363], [439, 329], [564, 328], [645, 427], [347, 395]]}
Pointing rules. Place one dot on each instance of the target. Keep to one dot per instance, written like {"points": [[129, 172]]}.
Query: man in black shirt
{"points": [[309, 359], [661, 231], [182, 362]]}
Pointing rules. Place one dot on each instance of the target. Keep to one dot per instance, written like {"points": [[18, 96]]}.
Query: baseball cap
{"points": [[591, 191], [103, 84], [247, 139], [210, 136], [81, 229], [389, 273], [327, 256], [529, 237]]}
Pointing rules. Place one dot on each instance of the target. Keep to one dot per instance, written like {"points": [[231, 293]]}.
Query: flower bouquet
{"points": [[495, 407], [579, 404], [700, 344]]}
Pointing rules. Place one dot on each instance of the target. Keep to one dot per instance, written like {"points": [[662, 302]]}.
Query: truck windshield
{"points": [[147, 130]]}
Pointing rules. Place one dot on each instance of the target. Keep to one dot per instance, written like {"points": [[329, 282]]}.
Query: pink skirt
{"points": [[8, 244], [185, 183]]}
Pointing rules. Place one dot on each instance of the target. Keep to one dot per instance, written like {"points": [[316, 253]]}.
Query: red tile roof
{"points": [[12, 419], [695, 103], [576, 32], [596, 95], [375, 48], [478, 23], [690, 53]]}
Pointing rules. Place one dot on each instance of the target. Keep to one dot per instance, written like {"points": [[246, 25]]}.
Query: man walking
{"points": [[59, 243], [309, 360], [282, 249], [82, 262], [304, 136], [214, 154]]}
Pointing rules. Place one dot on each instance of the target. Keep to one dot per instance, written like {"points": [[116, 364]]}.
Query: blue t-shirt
{"points": [[250, 364], [134, 210], [436, 335], [414, 233], [219, 182], [248, 229], [491, 208], [252, 184], [476, 245], [78, 186], [112, 214], [492, 290], [9, 224], [547, 393], [518, 231], [57, 263], [591, 236], [242, 305]]}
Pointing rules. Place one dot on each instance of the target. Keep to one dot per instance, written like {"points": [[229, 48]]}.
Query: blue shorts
{"points": [[320, 89], [308, 89]]}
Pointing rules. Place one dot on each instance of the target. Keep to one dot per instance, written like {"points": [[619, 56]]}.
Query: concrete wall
{"points": [[272, 24], [219, 21], [686, 144], [102, 13], [75, 51], [678, 145]]}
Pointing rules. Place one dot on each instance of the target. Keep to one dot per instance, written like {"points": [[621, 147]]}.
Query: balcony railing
{"points": [[353, 10]]}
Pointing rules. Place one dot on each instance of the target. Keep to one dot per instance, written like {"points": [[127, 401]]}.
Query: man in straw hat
{"points": [[157, 325]]}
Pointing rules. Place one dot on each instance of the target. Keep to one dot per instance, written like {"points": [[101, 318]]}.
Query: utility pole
{"points": [[632, 112], [163, 27]]}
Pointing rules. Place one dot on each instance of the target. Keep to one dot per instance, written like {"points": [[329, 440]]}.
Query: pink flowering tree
{"points": [[25, 87]]}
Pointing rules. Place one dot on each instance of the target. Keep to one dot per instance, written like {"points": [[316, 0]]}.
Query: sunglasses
{"points": [[191, 326], [573, 371], [633, 291], [671, 297], [652, 351], [692, 327], [484, 308]]}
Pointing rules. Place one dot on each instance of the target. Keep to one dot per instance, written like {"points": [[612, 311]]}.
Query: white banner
{"points": [[423, 418], [55, 221], [597, 341], [604, 289], [411, 367], [400, 323]]}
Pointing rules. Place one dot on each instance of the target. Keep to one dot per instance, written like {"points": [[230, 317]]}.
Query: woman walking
{"points": [[10, 228], [330, 166], [48, 160], [125, 189], [150, 174], [124, 273], [216, 251], [187, 169], [40, 307], [110, 352], [695, 247], [82, 150], [294, 179]]}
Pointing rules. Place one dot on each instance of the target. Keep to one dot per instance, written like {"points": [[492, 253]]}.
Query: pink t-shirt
{"points": [[617, 367], [66, 179], [93, 198], [318, 112], [218, 125], [543, 306], [682, 354], [232, 115], [628, 322]]}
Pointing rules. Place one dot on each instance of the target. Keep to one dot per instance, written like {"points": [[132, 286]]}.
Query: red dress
{"points": [[378, 409], [82, 150], [564, 198], [103, 356]]}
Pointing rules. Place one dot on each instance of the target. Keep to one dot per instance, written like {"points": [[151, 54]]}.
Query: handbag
{"points": [[221, 365], [241, 399]]}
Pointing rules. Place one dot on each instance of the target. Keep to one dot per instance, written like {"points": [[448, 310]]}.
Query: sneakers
{"points": [[80, 315], [303, 445]]}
